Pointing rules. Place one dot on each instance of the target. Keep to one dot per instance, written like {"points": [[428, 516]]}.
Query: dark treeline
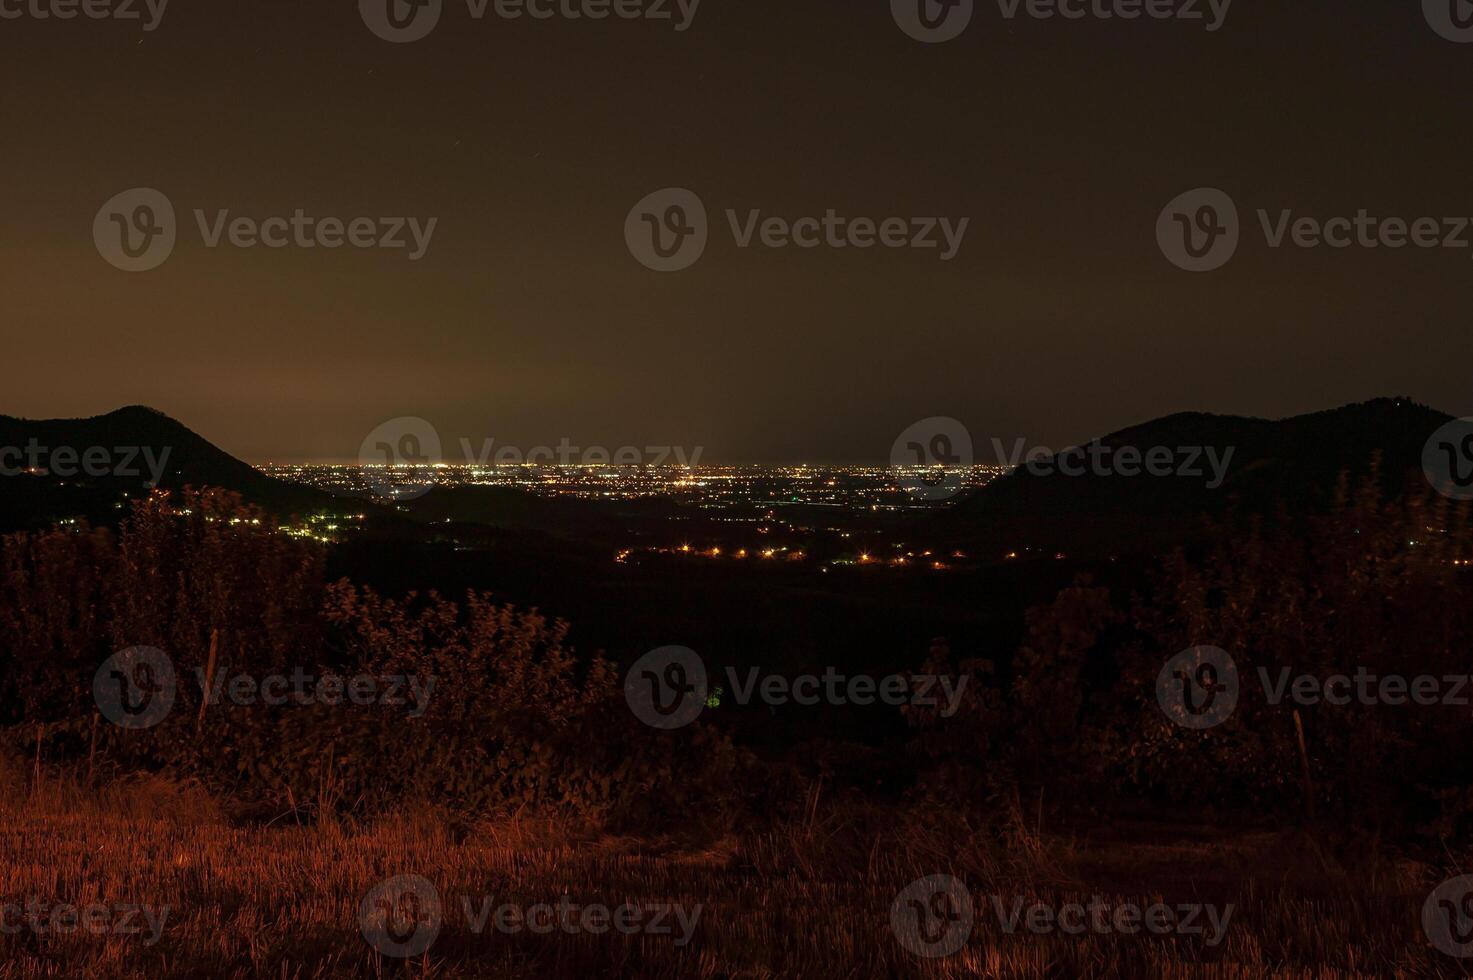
{"points": [[517, 718]]}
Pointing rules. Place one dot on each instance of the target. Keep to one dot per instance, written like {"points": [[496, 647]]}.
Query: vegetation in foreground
{"points": [[527, 781], [805, 900]]}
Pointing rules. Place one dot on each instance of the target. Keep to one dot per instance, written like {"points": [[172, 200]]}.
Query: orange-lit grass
{"points": [[813, 901]]}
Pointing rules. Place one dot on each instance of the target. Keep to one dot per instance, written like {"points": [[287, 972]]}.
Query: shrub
{"points": [[514, 718]]}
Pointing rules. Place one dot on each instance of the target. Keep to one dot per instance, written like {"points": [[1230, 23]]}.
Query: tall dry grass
{"points": [[811, 900]]}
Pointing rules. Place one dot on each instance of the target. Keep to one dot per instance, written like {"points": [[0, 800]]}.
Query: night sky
{"points": [[528, 320]]}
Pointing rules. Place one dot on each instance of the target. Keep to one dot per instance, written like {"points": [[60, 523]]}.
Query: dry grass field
{"points": [[813, 901]]}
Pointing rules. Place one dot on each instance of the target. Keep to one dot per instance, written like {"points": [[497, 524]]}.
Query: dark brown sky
{"points": [[528, 320]]}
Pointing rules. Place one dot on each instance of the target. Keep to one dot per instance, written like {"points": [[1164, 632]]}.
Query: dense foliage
{"points": [[510, 716], [1378, 587], [515, 719]]}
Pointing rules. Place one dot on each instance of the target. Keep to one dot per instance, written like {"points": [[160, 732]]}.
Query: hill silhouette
{"points": [[88, 467], [1288, 467]]}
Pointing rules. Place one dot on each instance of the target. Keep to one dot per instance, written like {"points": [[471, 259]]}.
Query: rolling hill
{"points": [[1277, 467], [60, 468]]}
